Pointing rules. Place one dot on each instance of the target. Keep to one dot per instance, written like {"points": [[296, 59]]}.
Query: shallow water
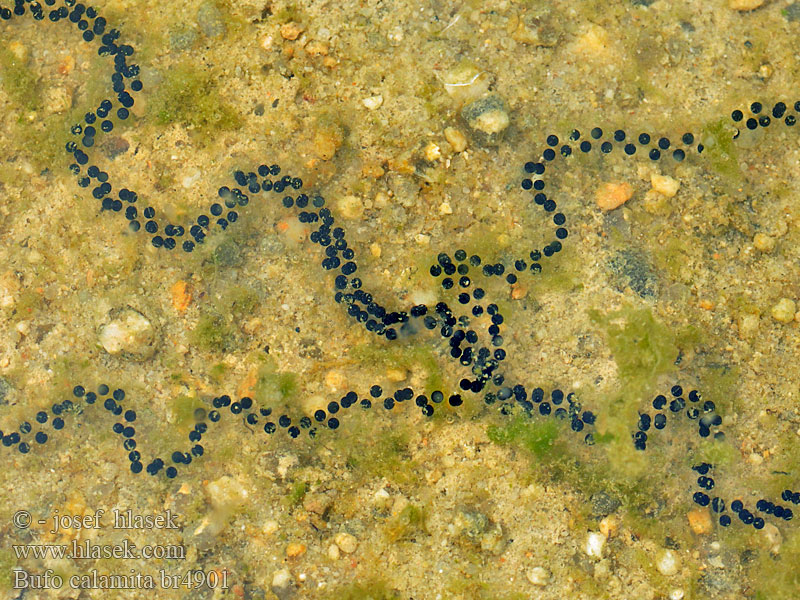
{"points": [[365, 102]]}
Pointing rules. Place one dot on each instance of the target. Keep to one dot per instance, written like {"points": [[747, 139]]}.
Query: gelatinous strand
{"points": [[471, 326]]}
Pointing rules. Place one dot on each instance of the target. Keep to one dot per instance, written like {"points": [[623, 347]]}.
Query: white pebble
{"points": [[665, 185], [282, 579], [667, 562], [538, 576], [594, 544], [346, 542], [130, 332], [373, 102], [784, 310]]}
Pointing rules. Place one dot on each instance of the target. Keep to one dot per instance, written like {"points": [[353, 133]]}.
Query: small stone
{"points": [[594, 545], [326, 142], [227, 254], [784, 310], [5, 388], [226, 493], [347, 543], [466, 82], [295, 550], [373, 102], [182, 38], [181, 295], [763, 242], [456, 139], [700, 520], [269, 527], [613, 195], [603, 504], [538, 576], [609, 526], [291, 30], [744, 5], [209, 18], [333, 552], [281, 583], [432, 152], [772, 536], [316, 48], [667, 562], [792, 12], [665, 185], [335, 380], [396, 374], [350, 207], [487, 119], [57, 100], [129, 334], [115, 145], [445, 209], [748, 325]]}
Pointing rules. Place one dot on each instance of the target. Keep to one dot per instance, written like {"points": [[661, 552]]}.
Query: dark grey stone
{"points": [[634, 269], [604, 504]]}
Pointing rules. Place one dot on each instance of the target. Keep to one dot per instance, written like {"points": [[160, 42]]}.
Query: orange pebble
{"points": [[181, 295]]}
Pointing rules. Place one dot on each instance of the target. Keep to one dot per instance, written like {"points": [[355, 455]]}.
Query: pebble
{"points": [[487, 119], [181, 295], [763, 242], [466, 82], [772, 535], [281, 583], [432, 152], [700, 520], [744, 5], [5, 387], [227, 254], [613, 195], [115, 145], [595, 542], [350, 207], [603, 504], [609, 526], [335, 380], [748, 325], [295, 550], [129, 333], [373, 102], [346, 543], [291, 30], [209, 18], [784, 310], [456, 139], [667, 562], [538, 576], [333, 552], [226, 492], [665, 185], [792, 12]]}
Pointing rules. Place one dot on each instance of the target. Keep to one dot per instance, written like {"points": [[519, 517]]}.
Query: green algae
{"points": [[776, 577], [273, 387], [189, 96], [643, 348], [297, 493], [405, 524], [212, 332], [18, 81], [371, 589], [721, 151], [538, 437], [411, 357]]}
